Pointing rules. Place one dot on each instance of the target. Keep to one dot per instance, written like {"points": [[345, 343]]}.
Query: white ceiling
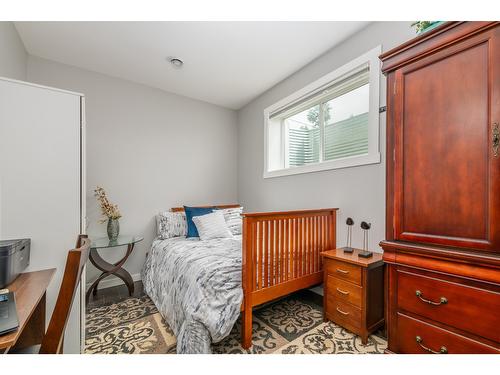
{"points": [[225, 63]]}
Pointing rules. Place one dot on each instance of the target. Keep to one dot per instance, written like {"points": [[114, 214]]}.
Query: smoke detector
{"points": [[176, 62]]}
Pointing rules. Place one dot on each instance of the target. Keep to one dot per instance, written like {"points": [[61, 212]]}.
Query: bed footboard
{"points": [[281, 254]]}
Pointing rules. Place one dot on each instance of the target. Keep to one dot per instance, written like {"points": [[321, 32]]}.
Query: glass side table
{"points": [[108, 269]]}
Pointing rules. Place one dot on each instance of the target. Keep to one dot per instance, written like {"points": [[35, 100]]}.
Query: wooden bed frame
{"points": [[289, 243]]}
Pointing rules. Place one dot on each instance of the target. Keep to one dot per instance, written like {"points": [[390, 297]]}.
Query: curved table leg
{"points": [[110, 269]]}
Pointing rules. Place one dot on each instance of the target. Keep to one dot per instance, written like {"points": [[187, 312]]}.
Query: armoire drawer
{"points": [[344, 271], [344, 290], [467, 308], [418, 337]]}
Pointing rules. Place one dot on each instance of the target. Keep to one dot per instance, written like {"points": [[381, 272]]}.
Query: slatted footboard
{"points": [[281, 254]]}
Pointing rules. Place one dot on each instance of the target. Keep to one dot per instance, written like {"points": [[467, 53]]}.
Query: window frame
{"points": [[351, 68]]}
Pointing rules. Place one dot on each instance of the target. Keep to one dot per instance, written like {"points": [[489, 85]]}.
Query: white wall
{"points": [[149, 149], [13, 57], [359, 192]]}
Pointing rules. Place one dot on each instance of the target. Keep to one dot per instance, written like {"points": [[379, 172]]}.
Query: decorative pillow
{"points": [[233, 219], [212, 226], [192, 212], [171, 224]]}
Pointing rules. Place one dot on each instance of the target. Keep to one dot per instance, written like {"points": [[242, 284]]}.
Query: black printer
{"points": [[14, 258]]}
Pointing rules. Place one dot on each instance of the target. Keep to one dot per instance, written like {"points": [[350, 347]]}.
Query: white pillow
{"points": [[233, 219], [212, 226], [171, 224]]}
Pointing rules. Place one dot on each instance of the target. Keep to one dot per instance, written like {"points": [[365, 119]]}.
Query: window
{"points": [[303, 137], [332, 123]]}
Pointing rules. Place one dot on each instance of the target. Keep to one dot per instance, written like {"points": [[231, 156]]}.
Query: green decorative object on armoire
{"points": [[424, 26]]}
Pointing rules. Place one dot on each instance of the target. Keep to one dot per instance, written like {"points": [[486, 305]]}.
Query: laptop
{"points": [[8, 314]]}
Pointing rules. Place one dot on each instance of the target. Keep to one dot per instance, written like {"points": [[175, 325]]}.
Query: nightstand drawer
{"points": [[415, 336], [344, 313], [344, 271], [344, 290]]}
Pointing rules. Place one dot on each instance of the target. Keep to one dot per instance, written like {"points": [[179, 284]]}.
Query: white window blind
{"points": [[338, 87]]}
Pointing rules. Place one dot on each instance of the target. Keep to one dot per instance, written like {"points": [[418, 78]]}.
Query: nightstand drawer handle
{"points": [[442, 350], [342, 291], [442, 301], [342, 312], [342, 271]]}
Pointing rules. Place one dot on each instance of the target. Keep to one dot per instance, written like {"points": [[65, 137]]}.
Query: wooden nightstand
{"points": [[353, 291]]}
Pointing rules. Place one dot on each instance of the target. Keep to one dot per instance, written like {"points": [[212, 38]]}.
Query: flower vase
{"points": [[113, 229]]}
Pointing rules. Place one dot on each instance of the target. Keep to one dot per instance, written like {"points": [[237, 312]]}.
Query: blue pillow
{"points": [[190, 213]]}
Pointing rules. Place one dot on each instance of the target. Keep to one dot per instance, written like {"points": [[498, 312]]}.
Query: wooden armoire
{"points": [[442, 244]]}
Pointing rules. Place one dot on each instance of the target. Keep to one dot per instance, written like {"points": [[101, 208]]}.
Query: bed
{"points": [[201, 287]]}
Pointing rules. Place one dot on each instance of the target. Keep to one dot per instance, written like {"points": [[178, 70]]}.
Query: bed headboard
{"points": [[219, 206]]}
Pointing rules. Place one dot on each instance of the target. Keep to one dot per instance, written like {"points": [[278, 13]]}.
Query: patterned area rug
{"points": [[292, 325]]}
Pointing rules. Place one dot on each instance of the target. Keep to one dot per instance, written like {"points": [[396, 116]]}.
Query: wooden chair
{"points": [[53, 340]]}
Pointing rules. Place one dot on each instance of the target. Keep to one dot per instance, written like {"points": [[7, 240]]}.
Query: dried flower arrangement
{"points": [[109, 210]]}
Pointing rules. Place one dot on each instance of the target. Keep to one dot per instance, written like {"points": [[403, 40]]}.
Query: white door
{"points": [[40, 180]]}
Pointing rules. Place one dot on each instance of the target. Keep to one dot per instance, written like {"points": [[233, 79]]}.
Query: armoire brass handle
{"points": [[442, 350], [495, 140], [442, 300]]}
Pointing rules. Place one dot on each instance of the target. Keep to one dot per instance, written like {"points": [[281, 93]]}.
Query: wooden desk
{"points": [[30, 290]]}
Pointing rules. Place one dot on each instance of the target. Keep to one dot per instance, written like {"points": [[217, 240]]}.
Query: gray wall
{"points": [[359, 192], [152, 150], [149, 149], [13, 57]]}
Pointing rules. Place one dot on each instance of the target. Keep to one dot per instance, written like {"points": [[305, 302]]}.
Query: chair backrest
{"points": [[52, 342]]}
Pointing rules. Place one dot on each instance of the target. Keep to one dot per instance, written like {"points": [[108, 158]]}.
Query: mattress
{"points": [[196, 286]]}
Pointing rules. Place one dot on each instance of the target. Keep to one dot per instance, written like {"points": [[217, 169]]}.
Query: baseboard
{"points": [[110, 281], [318, 289]]}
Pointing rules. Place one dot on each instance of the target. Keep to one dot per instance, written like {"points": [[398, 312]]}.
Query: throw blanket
{"points": [[196, 286]]}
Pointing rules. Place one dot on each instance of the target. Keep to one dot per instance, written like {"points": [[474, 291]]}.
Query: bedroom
{"points": [[236, 153]]}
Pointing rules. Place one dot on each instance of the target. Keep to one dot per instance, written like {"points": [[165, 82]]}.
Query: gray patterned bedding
{"points": [[196, 286]]}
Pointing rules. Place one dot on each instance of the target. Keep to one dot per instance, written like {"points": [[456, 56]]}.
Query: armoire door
{"points": [[447, 168]]}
